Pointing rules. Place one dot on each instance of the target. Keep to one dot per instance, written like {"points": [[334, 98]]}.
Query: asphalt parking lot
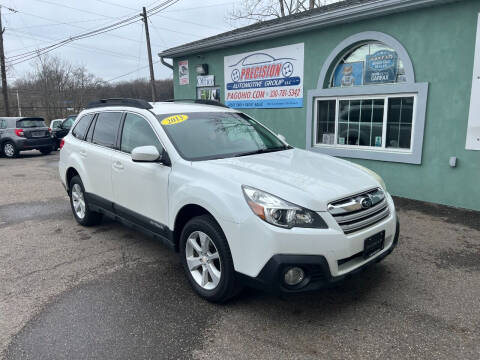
{"points": [[107, 292]]}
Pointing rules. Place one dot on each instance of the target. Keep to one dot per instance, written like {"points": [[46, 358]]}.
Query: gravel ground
{"points": [[108, 292]]}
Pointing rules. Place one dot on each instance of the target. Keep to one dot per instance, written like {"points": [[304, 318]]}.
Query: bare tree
{"points": [[260, 10], [56, 89]]}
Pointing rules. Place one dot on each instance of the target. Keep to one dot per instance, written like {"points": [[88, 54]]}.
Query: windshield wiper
{"points": [[263, 151]]}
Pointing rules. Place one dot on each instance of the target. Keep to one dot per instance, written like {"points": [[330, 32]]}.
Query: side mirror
{"points": [[145, 154], [283, 138]]}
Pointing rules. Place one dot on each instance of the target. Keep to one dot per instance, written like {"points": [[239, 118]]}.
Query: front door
{"points": [[140, 189]]}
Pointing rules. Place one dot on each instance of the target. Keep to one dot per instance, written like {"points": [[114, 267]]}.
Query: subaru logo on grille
{"points": [[366, 202]]}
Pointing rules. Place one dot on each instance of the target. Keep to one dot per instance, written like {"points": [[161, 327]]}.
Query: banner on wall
{"points": [[381, 67], [183, 73], [349, 74], [270, 78]]}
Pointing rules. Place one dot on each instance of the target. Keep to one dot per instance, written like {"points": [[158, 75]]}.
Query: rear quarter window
{"points": [[81, 128]]}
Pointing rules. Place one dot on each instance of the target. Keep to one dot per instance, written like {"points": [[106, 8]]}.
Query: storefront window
{"points": [[368, 64], [366, 122]]}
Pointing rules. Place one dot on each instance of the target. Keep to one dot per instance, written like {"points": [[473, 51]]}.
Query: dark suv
{"points": [[24, 133]]}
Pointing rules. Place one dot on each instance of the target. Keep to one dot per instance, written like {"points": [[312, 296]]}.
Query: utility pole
{"points": [[18, 104], [149, 49], [2, 68]]}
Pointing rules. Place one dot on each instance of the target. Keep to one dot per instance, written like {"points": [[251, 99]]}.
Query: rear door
{"points": [[97, 156], [140, 189]]}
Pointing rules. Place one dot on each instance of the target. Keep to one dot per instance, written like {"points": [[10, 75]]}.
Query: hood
{"points": [[302, 177]]}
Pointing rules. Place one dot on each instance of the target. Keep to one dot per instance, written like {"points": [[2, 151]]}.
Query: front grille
{"points": [[360, 211]]}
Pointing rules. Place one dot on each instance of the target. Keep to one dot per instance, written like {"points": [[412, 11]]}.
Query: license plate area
{"points": [[38, 133], [373, 244]]}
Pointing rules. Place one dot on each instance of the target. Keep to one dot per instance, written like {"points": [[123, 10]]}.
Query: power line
{"points": [[17, 59], [131, 72]]}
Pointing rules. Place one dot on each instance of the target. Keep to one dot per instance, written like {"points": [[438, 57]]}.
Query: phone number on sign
{"points": [[285, 93]]}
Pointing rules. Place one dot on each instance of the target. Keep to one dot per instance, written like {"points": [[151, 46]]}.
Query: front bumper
{"points": [[316, 267]]}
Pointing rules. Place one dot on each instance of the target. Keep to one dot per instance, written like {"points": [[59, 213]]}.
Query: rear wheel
{"points": [[10, 150], [81, 210], [207, 259]]}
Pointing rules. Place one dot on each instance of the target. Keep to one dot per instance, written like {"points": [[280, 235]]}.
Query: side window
{"points": [[3, 124], [137, 132], [82, 126], [106, 128], [90, 131]]}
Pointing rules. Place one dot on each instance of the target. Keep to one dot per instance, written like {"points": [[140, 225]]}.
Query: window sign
{"points": [[381, 67], [183, 73], [473, 130], [348, 74], [270, 78], [205, 80]]}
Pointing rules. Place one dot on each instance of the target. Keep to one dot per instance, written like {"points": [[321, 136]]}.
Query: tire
{"points": [[46, 151], [9, 150], [80, 209], [203, 260]]}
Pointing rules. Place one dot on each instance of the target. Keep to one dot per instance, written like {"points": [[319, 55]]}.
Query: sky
{"points": [[114, 56]]}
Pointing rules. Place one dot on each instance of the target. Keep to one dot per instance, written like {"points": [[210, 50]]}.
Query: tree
{"points": [[260, 10], [56, 89]]}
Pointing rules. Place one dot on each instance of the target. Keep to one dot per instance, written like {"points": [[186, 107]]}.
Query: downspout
{"points": [[162, 60]]}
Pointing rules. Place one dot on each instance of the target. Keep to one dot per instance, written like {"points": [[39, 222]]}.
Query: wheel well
{"points": [[71, 172], [184, 215]]}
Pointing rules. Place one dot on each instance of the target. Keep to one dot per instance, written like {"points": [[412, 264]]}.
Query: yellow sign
{"points": [[174, 119]]}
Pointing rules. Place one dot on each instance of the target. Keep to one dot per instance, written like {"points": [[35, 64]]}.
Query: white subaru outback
{"points": [[239, 204]]}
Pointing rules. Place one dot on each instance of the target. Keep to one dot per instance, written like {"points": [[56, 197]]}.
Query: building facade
{"points": [[392, 85]]}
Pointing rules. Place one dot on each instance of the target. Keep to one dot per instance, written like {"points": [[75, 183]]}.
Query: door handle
{"points": [[118, 165], [83, 153]]}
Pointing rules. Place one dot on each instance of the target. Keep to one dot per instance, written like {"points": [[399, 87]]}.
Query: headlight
{"points": [[374, 175], [279, 212]]}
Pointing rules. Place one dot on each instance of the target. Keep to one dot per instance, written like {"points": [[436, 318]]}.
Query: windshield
{"points": [[56, 124], [68, 122], [30, 123], [215, 135]]}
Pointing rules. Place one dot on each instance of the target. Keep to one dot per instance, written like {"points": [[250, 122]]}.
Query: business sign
{"points": [[348, 74], [205, 80], [271, 78], [473, 130], [183, 73], [381, 67]]}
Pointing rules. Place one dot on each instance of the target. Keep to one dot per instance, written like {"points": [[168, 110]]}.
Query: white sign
{"points": [[473, 130], [270, 78], [205, 80], [183, 74]]}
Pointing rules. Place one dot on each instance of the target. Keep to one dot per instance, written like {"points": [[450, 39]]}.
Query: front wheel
{"points": [[81, 210], [207, 259]]}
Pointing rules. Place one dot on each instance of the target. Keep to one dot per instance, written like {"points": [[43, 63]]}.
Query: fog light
{"points": [[294, 276]]}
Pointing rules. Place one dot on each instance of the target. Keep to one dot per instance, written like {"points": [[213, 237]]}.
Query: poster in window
{"points": [[183, 74], [348, 74], [381, 67]]}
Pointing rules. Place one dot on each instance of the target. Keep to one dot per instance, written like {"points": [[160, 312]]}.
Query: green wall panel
{"points": [[440, 41]]}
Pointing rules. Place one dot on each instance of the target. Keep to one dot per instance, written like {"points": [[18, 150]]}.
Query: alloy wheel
{"points": [[78, 201], [203, 260], [9, 150]]}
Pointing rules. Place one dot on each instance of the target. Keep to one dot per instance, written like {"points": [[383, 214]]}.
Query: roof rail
{"points": [[199, 101], [136, 103]]}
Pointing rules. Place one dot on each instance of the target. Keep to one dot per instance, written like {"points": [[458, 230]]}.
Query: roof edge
{"points": [[333, 17]]}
